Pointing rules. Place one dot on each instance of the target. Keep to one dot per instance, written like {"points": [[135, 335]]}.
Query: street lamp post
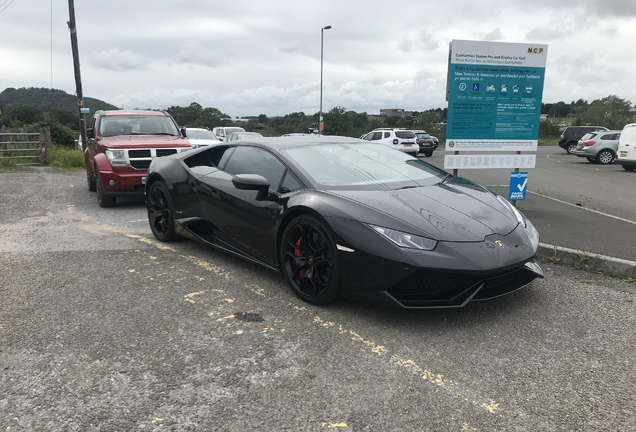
{"points": [[321, 125]]}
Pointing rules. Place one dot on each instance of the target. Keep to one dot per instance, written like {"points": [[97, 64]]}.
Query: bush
{"points": [[62, 135], [65, 158]]}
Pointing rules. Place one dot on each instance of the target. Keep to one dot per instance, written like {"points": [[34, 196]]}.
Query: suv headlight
{"points": [[117, 157], [405, 240]]}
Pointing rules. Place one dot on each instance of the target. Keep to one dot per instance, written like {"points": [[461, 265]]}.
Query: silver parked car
{"points": [[235, 136], [598, 146]]}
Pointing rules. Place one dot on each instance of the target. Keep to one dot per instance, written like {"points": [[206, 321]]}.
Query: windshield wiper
{"points": [[445, 179], [408, 187], [161, 133]]}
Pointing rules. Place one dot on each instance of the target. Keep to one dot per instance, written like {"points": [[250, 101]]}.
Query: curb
{"points": [[586, 260]]}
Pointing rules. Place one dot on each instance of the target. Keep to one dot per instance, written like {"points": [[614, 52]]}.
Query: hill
{"points": [[44, 99]]}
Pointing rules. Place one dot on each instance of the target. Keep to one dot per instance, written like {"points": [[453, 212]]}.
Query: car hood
{"points": [[144, 141], [446, 212]]}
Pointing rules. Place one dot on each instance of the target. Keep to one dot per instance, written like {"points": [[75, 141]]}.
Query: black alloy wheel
{"points": [[605, 157], [571, 147], [102, 199], [591, 159], [161, 213], [428, 154], [91, 181], [309, 260]]}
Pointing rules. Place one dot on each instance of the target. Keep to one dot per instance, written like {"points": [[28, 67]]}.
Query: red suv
{"points": [[121, 145]]}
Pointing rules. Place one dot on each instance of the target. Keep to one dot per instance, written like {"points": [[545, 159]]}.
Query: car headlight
{"points": [[533, 235], [405, 240], [520, 218], [117, 157]]}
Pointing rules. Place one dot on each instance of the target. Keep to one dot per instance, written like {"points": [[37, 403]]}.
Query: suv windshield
{"points": [[137, 125], [201, 134], [404, 134]]}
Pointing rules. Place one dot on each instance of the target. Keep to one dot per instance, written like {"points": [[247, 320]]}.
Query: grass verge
{"points": [[64, 158]]}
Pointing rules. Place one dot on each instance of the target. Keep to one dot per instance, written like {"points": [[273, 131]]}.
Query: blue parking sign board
{"points": [[518, 186]]}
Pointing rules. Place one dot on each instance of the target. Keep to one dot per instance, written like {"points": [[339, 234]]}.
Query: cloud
{"points": [[494, 35], [113, 59], [198, 55]]}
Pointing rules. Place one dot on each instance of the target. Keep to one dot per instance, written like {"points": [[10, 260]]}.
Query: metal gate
{"points": [[23, 146]]}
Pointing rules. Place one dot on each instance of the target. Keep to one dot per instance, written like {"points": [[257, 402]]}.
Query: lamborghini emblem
{"points": [[499, 243]]}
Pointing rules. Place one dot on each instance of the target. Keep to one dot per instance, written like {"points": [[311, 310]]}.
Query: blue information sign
{"points": [[494, 95], [518, 186]]}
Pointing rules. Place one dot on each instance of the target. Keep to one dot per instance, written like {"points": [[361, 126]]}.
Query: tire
{"points": [[605, 157], [161, 213], [428, 154], [570, 147], [91, 181], [629, 167], [102, 199], [309, 260], [591, 159]]}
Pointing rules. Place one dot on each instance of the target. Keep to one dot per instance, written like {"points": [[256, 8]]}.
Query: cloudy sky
{"points": [[263, 57]]}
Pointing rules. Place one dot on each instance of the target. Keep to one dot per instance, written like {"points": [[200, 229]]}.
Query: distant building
{"points": [[395, 112]]}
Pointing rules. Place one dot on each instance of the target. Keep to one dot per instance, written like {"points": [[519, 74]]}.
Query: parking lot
{"points": [[104, 328]]}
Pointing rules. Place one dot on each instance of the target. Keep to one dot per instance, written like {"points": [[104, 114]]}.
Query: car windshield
{"points": [[423, 135], [201, 134], [363, 167], [137, 125], [229, 130]]}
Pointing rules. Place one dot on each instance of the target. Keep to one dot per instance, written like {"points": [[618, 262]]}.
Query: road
{"points": [[104, 328], [606, 188]]}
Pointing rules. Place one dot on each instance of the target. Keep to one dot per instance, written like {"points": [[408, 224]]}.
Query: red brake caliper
{"points": [[298, 253]]}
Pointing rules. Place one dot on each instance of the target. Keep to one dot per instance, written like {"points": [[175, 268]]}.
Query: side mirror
{"points": [[90, 133], [252, 182], [183, 132]]}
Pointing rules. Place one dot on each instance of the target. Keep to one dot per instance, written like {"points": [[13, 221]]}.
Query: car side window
{"points": [[387, 134], [290, 183], [254, 160], [377, 136]]}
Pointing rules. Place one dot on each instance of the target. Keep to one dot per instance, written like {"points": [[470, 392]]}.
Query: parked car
{"points": [[234, 136], [627, 148], [572, 134], [340, 217], [598, 146], [120, 146], [400, 139], [200, 137], [427, 143], [223, 131]]}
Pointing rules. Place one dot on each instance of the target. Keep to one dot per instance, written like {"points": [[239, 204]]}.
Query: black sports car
{"points": [[342, 217]]}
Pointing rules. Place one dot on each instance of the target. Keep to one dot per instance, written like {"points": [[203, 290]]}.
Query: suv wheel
{"points": [[629, 167], [570, 147], [102, 199], [91, 181]]}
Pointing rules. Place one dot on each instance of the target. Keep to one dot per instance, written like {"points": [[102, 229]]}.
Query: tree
{"points": [[262, 119], [208, 117], [337, 122], [65, 117], [611, 112]]}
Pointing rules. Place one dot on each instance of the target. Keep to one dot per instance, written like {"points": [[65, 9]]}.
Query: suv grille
{"points": [[140, 159]]}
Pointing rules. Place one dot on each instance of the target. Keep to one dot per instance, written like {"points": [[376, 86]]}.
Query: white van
{"points": [[627, 148]]}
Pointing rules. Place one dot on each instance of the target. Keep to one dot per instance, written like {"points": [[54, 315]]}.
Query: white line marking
{"points": [[585, 208]]}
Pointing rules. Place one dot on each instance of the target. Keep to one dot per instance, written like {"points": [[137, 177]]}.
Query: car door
{"points": [[241, 220]]}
